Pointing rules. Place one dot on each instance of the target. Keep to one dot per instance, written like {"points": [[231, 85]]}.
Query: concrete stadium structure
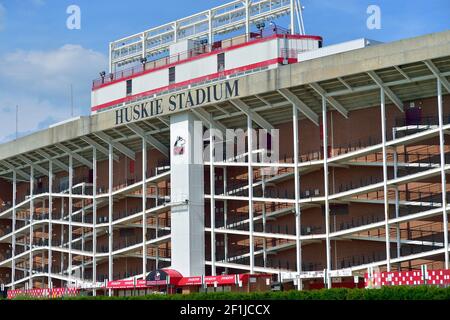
{"points": [[361, 179]]}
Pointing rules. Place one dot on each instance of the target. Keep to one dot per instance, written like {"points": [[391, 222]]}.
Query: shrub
{"points": [[386, 293]]}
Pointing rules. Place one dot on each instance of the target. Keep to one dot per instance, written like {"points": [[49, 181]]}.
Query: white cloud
{"points": [[39, 82], [2, 17]]}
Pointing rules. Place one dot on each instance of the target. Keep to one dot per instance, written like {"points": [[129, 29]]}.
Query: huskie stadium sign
{"points": [[177, 102]]}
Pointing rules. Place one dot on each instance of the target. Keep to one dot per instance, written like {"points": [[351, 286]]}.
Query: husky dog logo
{"points": [[178, 148], [158, 276]]}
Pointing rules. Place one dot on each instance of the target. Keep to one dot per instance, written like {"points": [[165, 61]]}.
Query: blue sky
{"points": [[40, 57]]}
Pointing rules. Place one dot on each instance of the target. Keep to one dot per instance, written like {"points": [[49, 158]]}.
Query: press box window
{"points": [[129, 87], [171, 75], [221, 62]]}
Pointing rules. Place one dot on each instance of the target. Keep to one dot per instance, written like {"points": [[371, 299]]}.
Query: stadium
{"points": [[225, 152]]}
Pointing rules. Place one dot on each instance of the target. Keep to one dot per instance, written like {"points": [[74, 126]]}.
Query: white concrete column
{"points": [[110, 215], [94, 218], [61, 227], [83, 192], [247, 18], [443, 177], [212, 175], [250, 192], [30, 267], [298, 229], [187, 194], [144, 45], [264, 217], [397, 201], [157, 226], [292, 16], [70, 217], [225, 214], [14, 200], [144, 208], [210, 28], [385, 179], [326, 188], [111, 64], [50, 218]]}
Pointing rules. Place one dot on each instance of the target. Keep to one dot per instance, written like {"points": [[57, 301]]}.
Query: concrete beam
{"points": [[437, 74], [332, 101], [98, 146], [256, 117], [207, 117], [300, 105], [117, 145], [24, 175], [391, 95], [76, 156], [149, 139], [60, 164], [36, 166]]}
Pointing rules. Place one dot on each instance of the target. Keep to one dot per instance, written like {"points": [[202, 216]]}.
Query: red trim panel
{"points": [[191, 81], [204, 55]]}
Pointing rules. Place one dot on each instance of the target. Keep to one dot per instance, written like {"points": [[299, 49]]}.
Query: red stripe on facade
{"points": [[192, 81], [205, 55]]}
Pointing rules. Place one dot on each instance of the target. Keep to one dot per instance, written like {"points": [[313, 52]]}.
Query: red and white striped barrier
{"points": [[44, 293], [407, 278]]}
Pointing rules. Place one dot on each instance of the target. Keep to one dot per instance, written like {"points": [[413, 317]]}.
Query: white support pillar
{"points": [[297, 197], [144, 45], [157, 227], [443, 177], [61, 228], [250, 192], [326, 188], [292, 10], [70, 217], [14, 200], [212, 182], [30, 261], [83, 192], [264, 217], [94, 218], [225, 214], [110, 215], [111, 63], [144, 208], [50, 218], [210, 28], [385, 179], [247, 18], [397, 201]]}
